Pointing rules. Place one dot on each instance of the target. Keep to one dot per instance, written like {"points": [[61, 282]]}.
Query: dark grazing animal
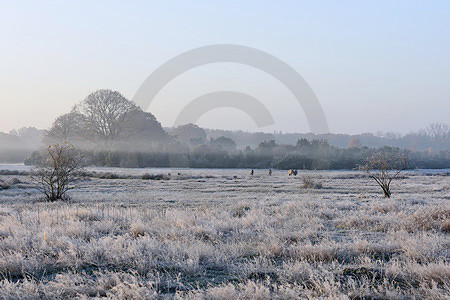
{"points": [[292, 172]]}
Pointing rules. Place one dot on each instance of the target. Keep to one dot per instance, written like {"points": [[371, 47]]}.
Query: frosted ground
{"points": [[223, 234]]}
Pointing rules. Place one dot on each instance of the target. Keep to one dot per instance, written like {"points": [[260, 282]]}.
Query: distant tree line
{"points": [[436, 137], [113, 131], [308, 155]]}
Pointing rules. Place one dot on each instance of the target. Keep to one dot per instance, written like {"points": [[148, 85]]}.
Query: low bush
{"points": [[148, 176], [310, 183], [4, 185]]}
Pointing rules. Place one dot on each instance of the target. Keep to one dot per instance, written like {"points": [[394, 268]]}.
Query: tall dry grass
{"points": [[226, 238]]}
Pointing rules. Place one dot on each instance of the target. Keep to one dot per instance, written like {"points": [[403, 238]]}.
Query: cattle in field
{"points": [[292, 172]]}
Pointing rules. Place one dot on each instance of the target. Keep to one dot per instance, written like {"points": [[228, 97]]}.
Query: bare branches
{"points": [[56, 171], [105, 113], [384, 168], [66, 127]]}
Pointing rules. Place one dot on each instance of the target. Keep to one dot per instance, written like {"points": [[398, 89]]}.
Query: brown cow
{"points": [[292, 172]]}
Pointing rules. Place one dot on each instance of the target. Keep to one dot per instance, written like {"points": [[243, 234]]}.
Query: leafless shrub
{"points": [[57, 171], [106, 175], [384, 168], [4, 185], [310, 183], [13, 172], [109, 175], [148, 176]]}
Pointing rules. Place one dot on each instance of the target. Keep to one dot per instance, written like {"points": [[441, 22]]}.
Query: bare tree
{"points": [[439, 131], [106, 113], [55, 173], [384, 168], [106, 117], [68, 127]]}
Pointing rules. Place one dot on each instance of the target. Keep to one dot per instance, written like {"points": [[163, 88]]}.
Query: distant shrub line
{"points": [[318, 156]]}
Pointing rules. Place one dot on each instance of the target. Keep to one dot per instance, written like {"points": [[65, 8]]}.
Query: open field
{"points": [[222, 234]]}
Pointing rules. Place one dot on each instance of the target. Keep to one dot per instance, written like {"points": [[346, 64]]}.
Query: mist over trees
{"points": [[189, 134], [68, 127], [105, 114], [32, 137], [106, 119], [308, 155], [16, 145], [113, 131], [436, 137]]}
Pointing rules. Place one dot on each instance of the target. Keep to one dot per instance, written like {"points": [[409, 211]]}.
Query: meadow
{"points": [[223, 234]]}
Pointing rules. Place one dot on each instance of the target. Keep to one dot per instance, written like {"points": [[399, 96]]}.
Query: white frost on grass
{"points": [[208, 235]]}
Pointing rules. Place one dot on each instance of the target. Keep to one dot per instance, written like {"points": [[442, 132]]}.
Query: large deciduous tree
{"points": [[106, 118], [68, 127], [106, 112]]}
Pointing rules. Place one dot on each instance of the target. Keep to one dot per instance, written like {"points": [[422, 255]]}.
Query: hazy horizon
{"points": [[378, 66]]}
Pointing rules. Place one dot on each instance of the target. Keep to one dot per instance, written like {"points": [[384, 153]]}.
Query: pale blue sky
{"points": [[374, 65]]}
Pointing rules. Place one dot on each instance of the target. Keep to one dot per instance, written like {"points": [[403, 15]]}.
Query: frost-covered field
{"points": [[222, 234]]}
